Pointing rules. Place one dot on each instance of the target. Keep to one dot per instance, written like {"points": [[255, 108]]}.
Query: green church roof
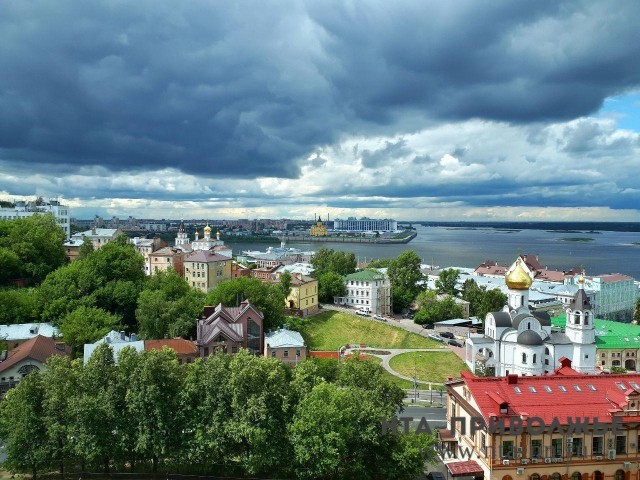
{"points": [[609, 334]]}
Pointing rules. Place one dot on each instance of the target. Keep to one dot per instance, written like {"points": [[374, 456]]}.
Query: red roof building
{"points": [[546, 446], [26, 357], [185, 349]]}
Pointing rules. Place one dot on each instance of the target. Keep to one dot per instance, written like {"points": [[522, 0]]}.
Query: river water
{"points": [[605, 252]]}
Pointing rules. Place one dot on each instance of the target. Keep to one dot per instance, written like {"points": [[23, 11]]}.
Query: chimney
{"points": [[134, 337], [60, 346], [166, 336], [93, 230], [122, 335], [512, 379], [3, 355]]}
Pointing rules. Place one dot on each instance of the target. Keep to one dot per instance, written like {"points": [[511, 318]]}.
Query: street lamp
{"points": [[415, 380]]}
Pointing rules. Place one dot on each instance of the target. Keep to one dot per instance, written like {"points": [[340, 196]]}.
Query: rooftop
{"points": [[22, 331], [283, 338], [178, 345], [553, 396], [366, 275], [206, 257], [38, 348], [609, 334]]}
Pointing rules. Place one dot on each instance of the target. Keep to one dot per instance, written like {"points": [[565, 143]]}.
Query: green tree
{"points": [[93, 410], [10, 267], [328, 260], [404, 273], [636, 312], [86, 325], [368, 376], [447, 282], [380, 263], [19, 305], [86, 249], [330, 285], [111, 278], [60, 379], [434, 310], [285, 283], [482, 301], [168, 306], [37, 243], [23, 427], [153, 405], [267, 298], [258, 388]]}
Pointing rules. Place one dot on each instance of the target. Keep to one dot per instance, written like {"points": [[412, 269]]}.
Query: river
{"points": [[599, 253]]}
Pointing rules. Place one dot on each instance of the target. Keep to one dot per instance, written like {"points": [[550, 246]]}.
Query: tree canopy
{"points": [[30, 247], [229, 415], [168, 305], [328, 260], [404, 274], [110, 278], [432, 309], [447, 282], [268, 298], [482, 301]]}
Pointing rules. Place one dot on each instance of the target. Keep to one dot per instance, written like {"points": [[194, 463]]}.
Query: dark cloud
{"points": [[250, 89], [391, 150]]}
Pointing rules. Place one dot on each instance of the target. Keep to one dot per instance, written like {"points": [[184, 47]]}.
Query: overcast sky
{"points": [[460, 110]]}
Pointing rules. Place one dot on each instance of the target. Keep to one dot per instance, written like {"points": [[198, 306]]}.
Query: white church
{"points": [[519, 341]]}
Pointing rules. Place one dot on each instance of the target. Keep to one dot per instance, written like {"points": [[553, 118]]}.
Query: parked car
{"points": [[435, 337], [435, 476], [453, 343], [362, 313], [447, 335], [380, 317]]}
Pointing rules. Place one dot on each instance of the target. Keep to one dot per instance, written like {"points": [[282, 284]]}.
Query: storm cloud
{"points": [[109, 96]]}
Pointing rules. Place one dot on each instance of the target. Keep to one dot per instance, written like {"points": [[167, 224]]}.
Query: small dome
{"points": [[207, 229], [529, 337], [518, 278]]}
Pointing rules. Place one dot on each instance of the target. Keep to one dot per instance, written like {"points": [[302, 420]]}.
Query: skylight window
{"points": [[577, 388], [634, 385], [547, 388], [621, 386], [517, 389], [562, 389], [591, 387], [533, 389]]}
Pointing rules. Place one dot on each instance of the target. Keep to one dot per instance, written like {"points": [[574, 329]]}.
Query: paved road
{"points": [[436, 417]]}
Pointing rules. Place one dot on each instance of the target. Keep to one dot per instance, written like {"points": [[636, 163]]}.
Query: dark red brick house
{"points": [[228, 329]]}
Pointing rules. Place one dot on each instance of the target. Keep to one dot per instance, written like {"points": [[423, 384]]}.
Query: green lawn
{"points": [[430, 366], [330, 330]]}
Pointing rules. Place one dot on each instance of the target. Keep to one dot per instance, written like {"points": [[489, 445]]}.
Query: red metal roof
{"points": [[563, 396], [178, 345], [37, 348], [467, 467]]}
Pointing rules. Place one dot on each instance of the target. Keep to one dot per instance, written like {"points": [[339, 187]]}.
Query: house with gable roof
{"points": [[228, 329]]}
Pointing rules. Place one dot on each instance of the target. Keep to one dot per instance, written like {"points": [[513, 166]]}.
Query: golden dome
{"points": [[207, 228], [518, 278]]}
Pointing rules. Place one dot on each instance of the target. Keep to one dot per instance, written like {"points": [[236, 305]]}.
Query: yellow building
{"points": [[205, 270], [303, 297], [319, 229]]}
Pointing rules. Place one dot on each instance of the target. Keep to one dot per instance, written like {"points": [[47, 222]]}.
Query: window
{"points": [[524, 358], [273, 354], [206, 351], [555, 476], [285, 353], [604, 355], [556, 447], [507, 449], [546, 350], [597, 445], [534, 358], [621, 444], [234, 349], [253, 336], [576, 476], [576, 447], [536, 448], [619, 475], [297, 352], [535, 476]]}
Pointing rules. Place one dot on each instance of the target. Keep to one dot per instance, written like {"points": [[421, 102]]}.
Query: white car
{"points": [[362, 312], [380, 317]]}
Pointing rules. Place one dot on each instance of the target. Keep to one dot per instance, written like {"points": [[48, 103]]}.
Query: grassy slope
{"points": [[330, 330], [430, 366]]}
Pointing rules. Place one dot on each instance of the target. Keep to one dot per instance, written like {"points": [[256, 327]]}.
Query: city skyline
{"points": [[478, 112]]}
